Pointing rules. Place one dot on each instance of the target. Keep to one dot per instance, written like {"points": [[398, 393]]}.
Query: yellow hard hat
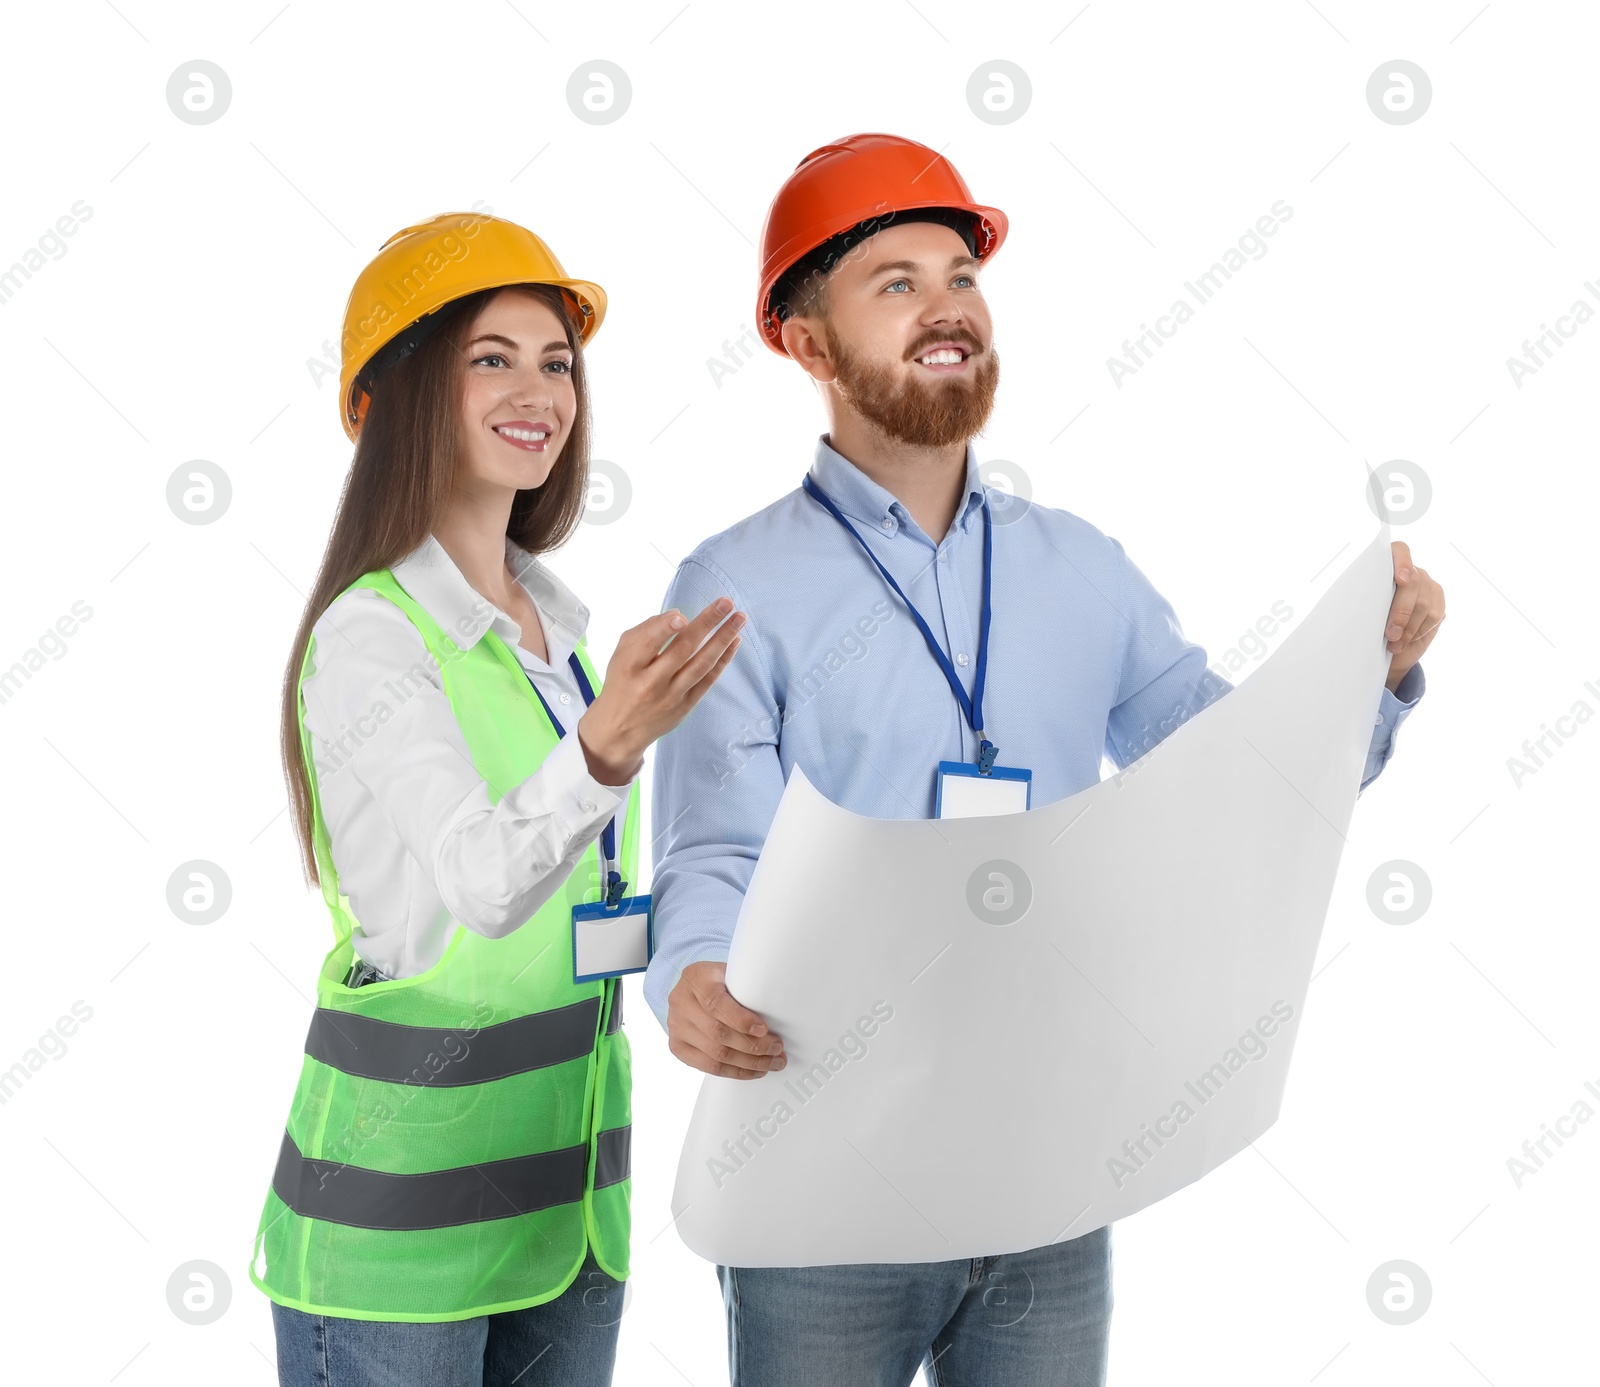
{"points": [[421, 269]]}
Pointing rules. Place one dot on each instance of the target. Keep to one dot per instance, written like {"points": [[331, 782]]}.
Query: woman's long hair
{"points": [[398, 489]]}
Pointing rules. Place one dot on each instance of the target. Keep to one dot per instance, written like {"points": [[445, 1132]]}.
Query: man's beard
{"points": [[932, 415]]}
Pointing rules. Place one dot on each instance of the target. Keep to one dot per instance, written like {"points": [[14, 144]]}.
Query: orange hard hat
{"points": [[860, 179]]}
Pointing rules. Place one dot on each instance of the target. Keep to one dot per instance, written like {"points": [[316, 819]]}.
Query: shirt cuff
{"points": [[570, 791], [1394, 706]]}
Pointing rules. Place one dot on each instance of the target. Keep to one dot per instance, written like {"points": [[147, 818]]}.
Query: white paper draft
{"points": [[1007, 1031]]}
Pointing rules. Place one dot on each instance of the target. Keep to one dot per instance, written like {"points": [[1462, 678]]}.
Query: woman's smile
{"points": [[519, 433]]}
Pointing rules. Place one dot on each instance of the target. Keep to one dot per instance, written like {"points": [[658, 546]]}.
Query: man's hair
{"points": [[802, 290]]}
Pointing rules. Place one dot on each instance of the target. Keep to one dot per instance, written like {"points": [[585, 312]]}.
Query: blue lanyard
{"points": [[615, 885], [973, 707]]}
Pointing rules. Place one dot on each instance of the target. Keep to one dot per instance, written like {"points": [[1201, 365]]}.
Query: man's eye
{"points": [[894, 282], [966, 281]]}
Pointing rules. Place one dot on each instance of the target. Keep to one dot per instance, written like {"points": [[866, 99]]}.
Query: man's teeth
{"points": [[946, 356], [525, 435]]}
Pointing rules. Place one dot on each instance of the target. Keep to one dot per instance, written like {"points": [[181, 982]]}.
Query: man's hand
{"points": [[708, 1030], [1414, 618]]}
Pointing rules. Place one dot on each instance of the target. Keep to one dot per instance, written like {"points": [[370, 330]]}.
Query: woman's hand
{"points": [[659, 671]]}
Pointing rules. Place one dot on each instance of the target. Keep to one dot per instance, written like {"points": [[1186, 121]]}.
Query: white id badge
{"points": [[606, 943], [965, 794]]}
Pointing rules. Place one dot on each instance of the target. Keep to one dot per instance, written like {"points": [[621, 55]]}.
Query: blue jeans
{"points": [[571, 1341], [1031, 1319]]}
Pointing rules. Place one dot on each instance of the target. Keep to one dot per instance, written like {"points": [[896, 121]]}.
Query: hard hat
{"points": [[861, 178], [424, 267]]}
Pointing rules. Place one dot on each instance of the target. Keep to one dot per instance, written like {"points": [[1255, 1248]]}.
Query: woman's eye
{"points": [[564, 367], [492, 357]]}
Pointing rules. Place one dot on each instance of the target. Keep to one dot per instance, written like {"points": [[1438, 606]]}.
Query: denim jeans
{"points": [[1030, 1319], [570, 1341]]}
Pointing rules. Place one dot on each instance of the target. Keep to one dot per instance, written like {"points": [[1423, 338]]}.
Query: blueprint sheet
{"points": [[1008, 1031]]}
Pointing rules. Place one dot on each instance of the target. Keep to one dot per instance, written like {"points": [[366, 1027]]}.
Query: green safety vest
{"points": [[457, 1139]]}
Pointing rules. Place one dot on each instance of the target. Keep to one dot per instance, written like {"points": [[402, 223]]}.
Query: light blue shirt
{"points": [[1086, 659]]}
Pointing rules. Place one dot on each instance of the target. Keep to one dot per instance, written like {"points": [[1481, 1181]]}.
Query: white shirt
{"points": [[418, 845]]}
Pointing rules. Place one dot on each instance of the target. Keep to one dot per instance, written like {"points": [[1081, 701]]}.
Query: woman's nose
{"points": [[532, 392]]}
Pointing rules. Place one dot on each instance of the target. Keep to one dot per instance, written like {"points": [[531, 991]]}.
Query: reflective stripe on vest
{"points": [[362, 1198], [374, 1049]]}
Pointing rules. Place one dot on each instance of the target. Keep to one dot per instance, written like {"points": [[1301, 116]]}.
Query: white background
{"points": [[178, 325]]}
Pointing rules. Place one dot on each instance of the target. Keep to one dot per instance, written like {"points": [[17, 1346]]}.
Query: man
{"points": [[868, 660]]}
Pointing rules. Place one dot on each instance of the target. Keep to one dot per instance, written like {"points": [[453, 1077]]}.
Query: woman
{"points": [[450, 1201]]}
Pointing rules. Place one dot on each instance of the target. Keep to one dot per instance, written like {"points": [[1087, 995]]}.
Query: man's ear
{"points": [[805, 344]]}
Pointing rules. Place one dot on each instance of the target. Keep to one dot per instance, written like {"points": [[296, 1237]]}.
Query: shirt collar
{"points": [[430, 575], [857, 495]]}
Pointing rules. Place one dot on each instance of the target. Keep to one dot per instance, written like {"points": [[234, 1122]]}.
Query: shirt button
{"points": [[587, 805], [566, 698], [944, 554], [888, 522], [1378, 721], [961, 658]]}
